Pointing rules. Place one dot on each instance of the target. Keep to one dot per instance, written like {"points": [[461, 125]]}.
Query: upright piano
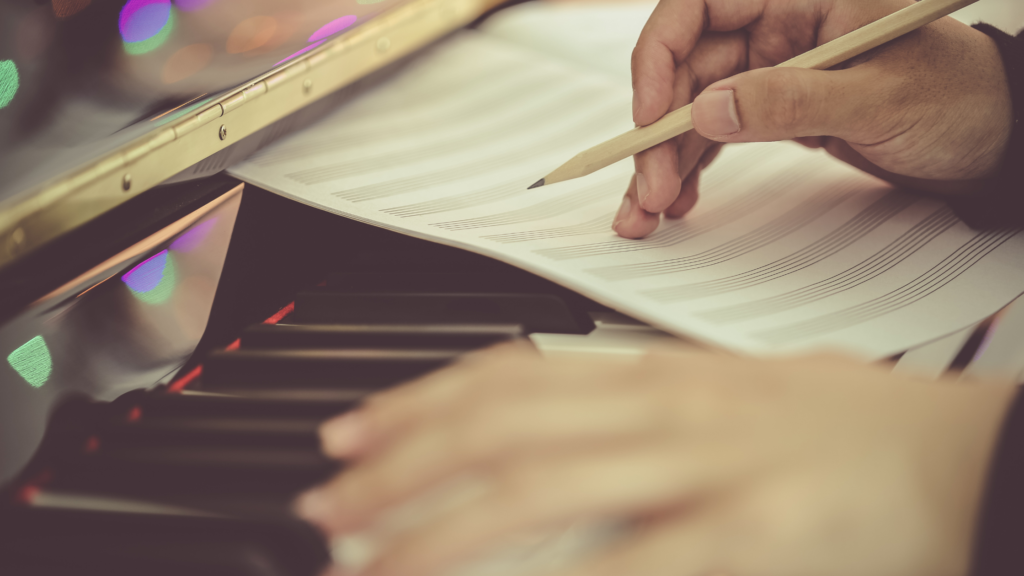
{"points": [[171, 339]]}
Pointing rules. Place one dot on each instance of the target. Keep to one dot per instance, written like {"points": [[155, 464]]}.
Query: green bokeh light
{"points": [[164, 289], [9, 82], [153, 281], [32, 361], [154, 42]]}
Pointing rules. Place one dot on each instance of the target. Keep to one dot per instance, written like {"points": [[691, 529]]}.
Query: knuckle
{"points": [[522, 487], [364, 490], [478, 435], [465, 444], [789, 102]]}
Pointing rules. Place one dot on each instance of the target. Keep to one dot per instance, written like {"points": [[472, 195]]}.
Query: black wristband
{"points": [[1001, 204], [999, 538]]}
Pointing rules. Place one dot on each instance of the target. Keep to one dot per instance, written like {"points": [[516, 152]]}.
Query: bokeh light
{"points": [[153, 281], [251, 34], [32, 362], [191, 5], [318, 37], [193, 238], [332, 27], [300, 52], [145, 24], [66, 8], [186, 62], [142, 19], [9, 82]]}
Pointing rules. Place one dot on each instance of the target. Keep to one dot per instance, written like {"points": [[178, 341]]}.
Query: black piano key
{"points": [[355, 369], [302, 394], [184, 432], [500, 281], [422, 268], [141, 404], [252, 504], [419, 257], [434, 282], [408, 336], [534, 312], [278, 473], [38, 541]]}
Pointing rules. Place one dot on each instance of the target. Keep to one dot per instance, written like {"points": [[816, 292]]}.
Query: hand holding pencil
{"points": [[930, 110]]}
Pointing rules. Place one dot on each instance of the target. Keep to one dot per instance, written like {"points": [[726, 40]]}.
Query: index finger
{"points": [[667, 40], [387, 413]]}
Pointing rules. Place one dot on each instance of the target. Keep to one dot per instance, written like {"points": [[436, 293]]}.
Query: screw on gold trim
{"points": [[307, 86], [16, 241], [223, 132], [126, 182]]}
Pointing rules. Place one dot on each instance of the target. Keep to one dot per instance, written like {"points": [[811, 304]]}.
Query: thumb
{"points": [[770, 104]]}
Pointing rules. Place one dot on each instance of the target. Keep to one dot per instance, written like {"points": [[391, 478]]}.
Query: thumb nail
{"points": [[715, 113]]}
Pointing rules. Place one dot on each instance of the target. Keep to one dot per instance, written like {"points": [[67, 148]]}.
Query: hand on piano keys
{"points": [[710, 464]]}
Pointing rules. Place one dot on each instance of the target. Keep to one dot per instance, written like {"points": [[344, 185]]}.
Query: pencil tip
{"points": [[536, 184]]}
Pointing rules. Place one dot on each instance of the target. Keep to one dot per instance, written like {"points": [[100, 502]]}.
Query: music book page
{"points": [[595, 36], [788, 250]]}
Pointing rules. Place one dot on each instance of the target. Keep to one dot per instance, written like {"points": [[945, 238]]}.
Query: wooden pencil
{"points": [[825, 56]]}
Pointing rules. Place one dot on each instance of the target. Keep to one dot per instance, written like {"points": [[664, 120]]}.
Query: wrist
{"points": [[971, 420], [996, 549]]}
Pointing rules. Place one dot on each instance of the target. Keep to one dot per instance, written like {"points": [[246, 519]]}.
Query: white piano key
{"points": [[97, 503]]}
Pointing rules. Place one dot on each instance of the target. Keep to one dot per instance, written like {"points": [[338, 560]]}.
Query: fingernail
{"points": [[344, 435], [623, 212], [641, 188], [636, 104], [715, 112], [314, 505]]}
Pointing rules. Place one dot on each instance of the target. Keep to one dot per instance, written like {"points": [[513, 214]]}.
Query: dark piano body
{"points": [[125, 452]]}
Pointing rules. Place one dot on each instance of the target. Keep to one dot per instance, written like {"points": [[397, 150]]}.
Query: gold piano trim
{"points": [[73, 199]]}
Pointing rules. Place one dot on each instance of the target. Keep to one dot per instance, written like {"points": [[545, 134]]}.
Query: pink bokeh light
{"points": [[300, 52], [332, 27], [140, 20]]}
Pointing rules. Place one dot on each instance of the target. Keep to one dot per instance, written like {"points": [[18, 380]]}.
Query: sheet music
{"points": [[594, 36], [788, 249]]}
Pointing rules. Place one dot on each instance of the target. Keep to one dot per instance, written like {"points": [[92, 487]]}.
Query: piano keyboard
{"points": [[198, 476]]}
